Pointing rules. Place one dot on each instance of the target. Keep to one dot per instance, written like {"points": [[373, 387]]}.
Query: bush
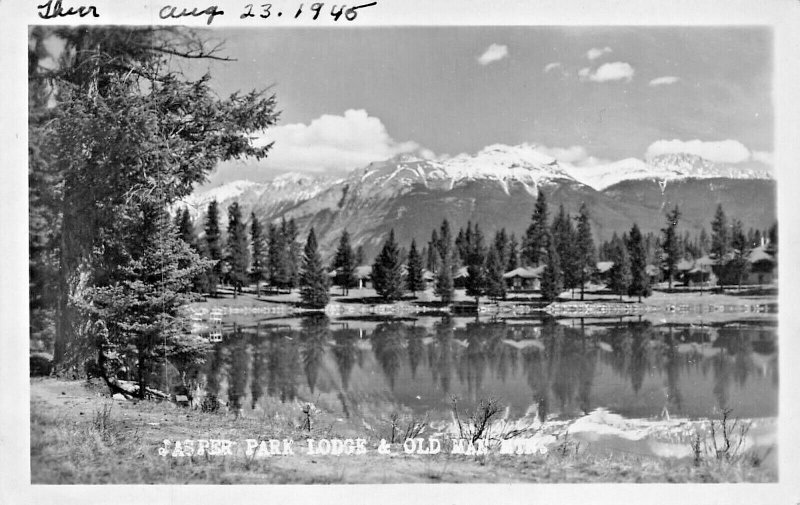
{"points": [[41, 364]]}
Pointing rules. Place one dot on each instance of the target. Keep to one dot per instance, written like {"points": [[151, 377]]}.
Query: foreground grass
{"points": [[81, 437]]}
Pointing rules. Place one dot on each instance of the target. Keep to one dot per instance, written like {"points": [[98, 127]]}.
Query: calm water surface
{"points": [[555, 368]]}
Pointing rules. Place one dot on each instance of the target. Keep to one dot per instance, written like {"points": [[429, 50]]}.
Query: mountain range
{"points": [[497, 187]]}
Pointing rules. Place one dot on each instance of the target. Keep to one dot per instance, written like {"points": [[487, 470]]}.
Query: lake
{"points": [[552, 368]]}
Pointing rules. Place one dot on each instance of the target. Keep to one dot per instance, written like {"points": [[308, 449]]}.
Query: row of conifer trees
{"points": [[563, 246]]}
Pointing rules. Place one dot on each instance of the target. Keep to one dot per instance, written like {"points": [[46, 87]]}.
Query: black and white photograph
{"points": [[287, 244]]}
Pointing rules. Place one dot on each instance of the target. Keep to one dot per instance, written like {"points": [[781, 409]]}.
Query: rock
{"points": [[119, 396]]}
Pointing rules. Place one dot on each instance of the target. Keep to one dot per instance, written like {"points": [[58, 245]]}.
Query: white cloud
{"points": [[552, 66], [331, 143], [572, 154], [494, 52], [617, 71], [765, 157], [597, 52], [723, 151], [667, 79]]}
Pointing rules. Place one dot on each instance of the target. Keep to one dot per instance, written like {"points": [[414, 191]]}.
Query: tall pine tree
{"points": [[552, 277], [344, 264], [387, 271], [444, 276], [213, 247], [475, 258], [620, 275], [584, 248], [564, 240], [314, 280], [536, 243], [495, 283], [513, 254], [112, 99], [640, 281], [720, 244], [258, 245], [238, 252], [670, 244], [414, 280]]}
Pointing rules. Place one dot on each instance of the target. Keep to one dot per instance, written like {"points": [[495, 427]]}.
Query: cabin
{"points": [[460, 278], [695, 272], [762, 267], [524, 278], [428, 278], [602, 272]]}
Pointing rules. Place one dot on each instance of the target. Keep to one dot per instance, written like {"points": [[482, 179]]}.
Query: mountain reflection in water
{"points": [[561, 369]]}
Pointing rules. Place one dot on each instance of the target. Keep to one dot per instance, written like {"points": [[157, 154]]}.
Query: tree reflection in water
{"points": [[554, 366]]}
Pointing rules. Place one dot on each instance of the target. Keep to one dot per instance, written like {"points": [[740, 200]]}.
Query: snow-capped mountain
{"points": [[663, 168], [282, 191], [497, 163], [497, 187]]}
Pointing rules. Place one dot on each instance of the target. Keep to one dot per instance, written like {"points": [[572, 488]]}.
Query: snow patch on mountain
{"points": [[229, 191], [499, 163], [664, 168]]}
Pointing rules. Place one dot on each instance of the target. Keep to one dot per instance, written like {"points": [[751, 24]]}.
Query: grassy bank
{"points": [[79, 435]]}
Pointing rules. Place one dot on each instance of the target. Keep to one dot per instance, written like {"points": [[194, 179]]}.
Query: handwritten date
{"points": [[264, 11]]}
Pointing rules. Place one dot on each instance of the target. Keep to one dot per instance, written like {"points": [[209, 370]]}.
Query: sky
{"points": [[586, 95]]}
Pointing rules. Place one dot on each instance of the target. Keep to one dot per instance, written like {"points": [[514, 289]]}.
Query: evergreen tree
{"points": [[444, 275], [114, 127], [720, 237], [183, 221], [772, 235], [564, 240], [259, 266], [293, 251], [344, 264], [314, 280], [640, 281], [500, 245], [213, 246], [462, 244], [552, 277], [432, 259], [738, 265], [274, 255], [387, 272], [140, 314], [671, 245], [185, 229], [495, 283], [475, 258], [720, 244], [513, 254], [238, 253], [620, 275], [414, 281], [361, 259], [536, 244], [703, 243], [585, 251]]}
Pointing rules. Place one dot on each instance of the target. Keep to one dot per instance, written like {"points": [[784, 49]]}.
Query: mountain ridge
{"points": [[496, 186]]}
